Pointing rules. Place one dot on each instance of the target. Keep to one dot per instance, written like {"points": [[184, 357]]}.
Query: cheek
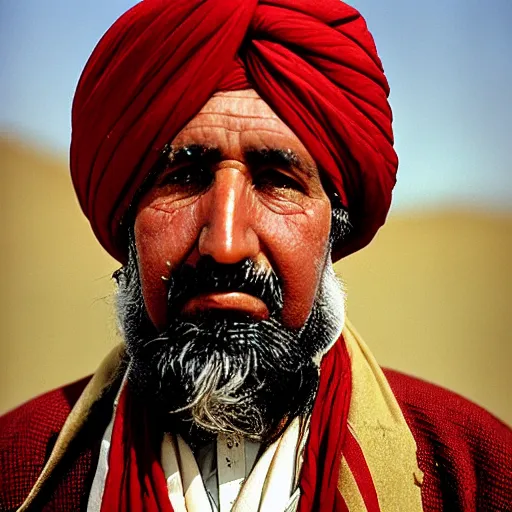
{"points": [[297, 247], [162, 239]]}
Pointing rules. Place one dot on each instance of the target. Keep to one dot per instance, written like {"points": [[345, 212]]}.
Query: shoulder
{"points": [[27, 435], [28, 424], [439, 412], [464, 451]]}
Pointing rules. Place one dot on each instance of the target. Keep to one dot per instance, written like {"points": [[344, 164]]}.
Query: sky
{"points": [[449, 64]]}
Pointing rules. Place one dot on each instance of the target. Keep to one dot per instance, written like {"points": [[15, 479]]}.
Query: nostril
{"points": [[228, 245]]}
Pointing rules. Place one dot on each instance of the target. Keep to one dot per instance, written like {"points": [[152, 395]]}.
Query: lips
{"points": [[237, 302]]}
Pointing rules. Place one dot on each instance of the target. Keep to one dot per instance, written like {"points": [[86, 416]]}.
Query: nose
{"points": [[227, 234]]}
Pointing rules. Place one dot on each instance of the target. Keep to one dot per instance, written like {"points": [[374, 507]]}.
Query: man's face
{"points": [[228, 299], [238, 185]]}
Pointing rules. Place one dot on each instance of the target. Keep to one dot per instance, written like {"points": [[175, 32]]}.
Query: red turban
{"points": [[314, 63]]}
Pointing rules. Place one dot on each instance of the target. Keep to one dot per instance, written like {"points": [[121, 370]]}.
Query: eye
{"points": [[189, 178], [272, 179]]}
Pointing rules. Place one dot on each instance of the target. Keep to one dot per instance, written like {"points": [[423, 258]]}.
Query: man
{"points": [[226, 152]]}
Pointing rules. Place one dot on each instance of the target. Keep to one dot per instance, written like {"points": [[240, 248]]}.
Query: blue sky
{"points": [[449, 63]]}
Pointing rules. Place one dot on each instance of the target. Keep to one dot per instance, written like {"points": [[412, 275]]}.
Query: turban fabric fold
{"points": [[314, 62]]}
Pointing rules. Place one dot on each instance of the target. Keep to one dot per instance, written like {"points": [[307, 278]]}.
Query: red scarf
{"points": [[136, 481]]}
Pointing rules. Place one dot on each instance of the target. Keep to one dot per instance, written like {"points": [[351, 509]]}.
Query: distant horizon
{"points": [[425, 208], [448, 65]]}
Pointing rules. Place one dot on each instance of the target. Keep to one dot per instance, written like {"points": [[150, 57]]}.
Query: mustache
{"points": [[209, 276]]}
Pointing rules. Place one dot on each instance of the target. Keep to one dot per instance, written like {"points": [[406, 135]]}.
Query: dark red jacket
{"points": [[464, 452]]}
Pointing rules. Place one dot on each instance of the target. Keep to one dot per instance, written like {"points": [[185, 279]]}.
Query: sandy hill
{"points": [[429, 295]]}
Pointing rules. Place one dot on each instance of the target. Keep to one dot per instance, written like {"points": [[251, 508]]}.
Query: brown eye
{"points": [[271, 179], [191, 178]]}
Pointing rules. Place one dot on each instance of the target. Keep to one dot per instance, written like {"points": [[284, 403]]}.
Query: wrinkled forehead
{"points": [[238, 121]]}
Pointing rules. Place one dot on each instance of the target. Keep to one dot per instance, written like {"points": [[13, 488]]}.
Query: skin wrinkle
{"points": [[276, 131], [232, 219], [234, 115]]}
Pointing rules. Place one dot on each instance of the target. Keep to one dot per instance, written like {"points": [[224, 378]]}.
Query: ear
{"points": [[340, 223]]}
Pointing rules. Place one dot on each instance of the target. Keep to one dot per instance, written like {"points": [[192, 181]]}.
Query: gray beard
{"points": [[223, 375]]}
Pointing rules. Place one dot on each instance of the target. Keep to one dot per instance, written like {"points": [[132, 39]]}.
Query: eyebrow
{"points": [[256, 157], [193, 153], [280, 158]]}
